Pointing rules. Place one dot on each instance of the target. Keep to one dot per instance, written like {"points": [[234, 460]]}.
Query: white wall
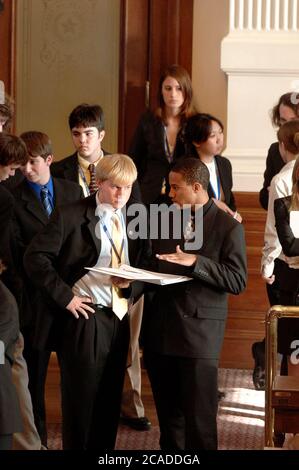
{"points": [[210, 26], [250, 132]]}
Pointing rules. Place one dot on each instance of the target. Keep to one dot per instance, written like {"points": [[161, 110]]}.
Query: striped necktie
{"points": [[93, 187], [119, 304], [45, 198]]}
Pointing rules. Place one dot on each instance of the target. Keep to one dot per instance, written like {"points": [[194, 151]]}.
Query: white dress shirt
{"points": [[95, 285], [281, 186]]}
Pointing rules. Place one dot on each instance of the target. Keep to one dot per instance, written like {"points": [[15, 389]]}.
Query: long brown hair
{"points": [[288, 134], [183, 78], [2, 266]]}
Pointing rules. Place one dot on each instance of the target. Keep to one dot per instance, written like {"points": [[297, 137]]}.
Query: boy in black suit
{"points": [[35, 199], [95, 339], [12, 155], [184, 330]]}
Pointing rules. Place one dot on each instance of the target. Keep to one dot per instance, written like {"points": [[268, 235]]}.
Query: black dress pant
{"points": [[185, 394], [92, 363]]}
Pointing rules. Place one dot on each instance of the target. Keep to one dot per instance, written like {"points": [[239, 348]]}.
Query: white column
{"points": [[294, 15], [249, 14], [268, 15], [276, 15], [232, 15], [259, 15]]}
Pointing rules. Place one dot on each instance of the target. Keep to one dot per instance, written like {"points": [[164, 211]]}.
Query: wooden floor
{"points": [[53, 395]]}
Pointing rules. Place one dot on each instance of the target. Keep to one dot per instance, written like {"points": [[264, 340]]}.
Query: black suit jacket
{"points": [[188, 319], [289, 277], [10, 418], [67, 168], [148, 152], [274, 164], [56, 258], [29, 219]]}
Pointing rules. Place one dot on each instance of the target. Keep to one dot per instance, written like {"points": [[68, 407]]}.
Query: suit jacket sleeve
{"points": [[274, 163], [229, 273], [290, 244], [40, 259]]}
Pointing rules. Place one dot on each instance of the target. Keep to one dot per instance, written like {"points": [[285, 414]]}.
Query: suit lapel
{"points": [[71, 169], [32, 204], [59, 191]]}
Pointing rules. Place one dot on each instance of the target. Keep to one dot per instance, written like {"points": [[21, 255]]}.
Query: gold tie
{"points": [[119, 304]]}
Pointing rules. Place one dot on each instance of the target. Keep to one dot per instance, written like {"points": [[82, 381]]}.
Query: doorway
{"points": [[153, 35]]}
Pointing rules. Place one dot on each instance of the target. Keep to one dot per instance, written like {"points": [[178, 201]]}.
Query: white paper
{"points": [[128, 272], [294, 223]]}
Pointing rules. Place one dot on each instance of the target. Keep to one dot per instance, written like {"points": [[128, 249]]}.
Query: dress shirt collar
{"points": [[85, 164], [37, 187]]}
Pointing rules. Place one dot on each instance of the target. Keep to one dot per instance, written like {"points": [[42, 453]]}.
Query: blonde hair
{"points": [[295, 188], [118, 168]]}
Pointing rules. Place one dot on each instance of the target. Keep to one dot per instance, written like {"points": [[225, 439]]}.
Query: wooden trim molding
{"points": [[7, 50]]}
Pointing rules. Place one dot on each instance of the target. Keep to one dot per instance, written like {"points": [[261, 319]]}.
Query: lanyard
{"points": [[118, 255], [217, 194], [81, 172]]}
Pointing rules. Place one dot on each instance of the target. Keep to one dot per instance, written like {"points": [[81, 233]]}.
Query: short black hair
{"points": [[199, 127], [87, 115], [193, 171], [38, 144]]}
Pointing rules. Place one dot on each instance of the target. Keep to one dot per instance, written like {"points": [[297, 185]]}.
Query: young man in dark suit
{"points": [[94, 346], [13, 154], [35, 199], [86, 123], [184, 330]]}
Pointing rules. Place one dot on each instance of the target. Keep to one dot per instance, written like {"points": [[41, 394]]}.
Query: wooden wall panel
{"points": [[7, 46], [247, 310]]}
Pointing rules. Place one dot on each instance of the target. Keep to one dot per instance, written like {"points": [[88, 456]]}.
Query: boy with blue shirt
{"points": [[35, 199]]}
